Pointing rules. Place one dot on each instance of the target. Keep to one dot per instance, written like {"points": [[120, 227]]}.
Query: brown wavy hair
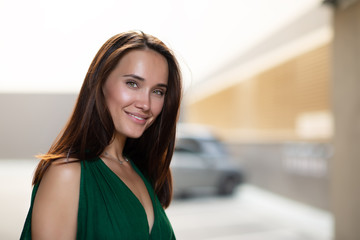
{"points": [[90, 128]]}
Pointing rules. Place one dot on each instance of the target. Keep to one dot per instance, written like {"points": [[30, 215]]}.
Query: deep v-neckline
{"points": [[133, 194]]}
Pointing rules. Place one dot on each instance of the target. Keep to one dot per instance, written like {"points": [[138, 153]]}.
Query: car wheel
{"points": [[228, 186]]}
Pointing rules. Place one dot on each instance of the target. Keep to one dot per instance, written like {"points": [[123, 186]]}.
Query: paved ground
{"points": [[251, 214]]}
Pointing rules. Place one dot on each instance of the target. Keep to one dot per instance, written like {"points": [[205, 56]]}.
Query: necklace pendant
{"points": [[121, 162]]}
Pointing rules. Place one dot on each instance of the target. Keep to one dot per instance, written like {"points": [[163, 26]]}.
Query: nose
{"points": [[143, 101]]}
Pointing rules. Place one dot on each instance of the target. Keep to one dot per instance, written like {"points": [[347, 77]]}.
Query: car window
{"points": [[212, 147], [187, 145]]}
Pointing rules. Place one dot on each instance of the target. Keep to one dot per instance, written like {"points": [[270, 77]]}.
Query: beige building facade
{"points": [[289, 101], [281, 93]]}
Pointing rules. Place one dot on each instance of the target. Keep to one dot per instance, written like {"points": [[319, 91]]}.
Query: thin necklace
{"points": [[106, 154]]}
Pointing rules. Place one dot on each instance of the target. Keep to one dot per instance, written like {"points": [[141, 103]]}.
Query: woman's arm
{"points": [[56, 203]]}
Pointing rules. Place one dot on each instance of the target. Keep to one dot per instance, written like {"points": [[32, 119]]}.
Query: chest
{"points": [[138, 188]]}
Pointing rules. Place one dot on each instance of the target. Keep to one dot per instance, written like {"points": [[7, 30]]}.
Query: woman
{"points": [[107, 176]]}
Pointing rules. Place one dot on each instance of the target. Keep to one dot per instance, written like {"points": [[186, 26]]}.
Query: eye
{"points": [[132, 84], [159, 92]]}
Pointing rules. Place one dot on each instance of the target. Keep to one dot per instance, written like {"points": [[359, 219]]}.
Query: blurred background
{"points": [[269, 126]]}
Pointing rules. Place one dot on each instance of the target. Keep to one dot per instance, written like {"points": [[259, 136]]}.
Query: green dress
{"points": [[108, 209]]}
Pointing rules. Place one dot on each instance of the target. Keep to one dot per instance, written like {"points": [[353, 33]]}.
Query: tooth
{"points": [[137, 117]]}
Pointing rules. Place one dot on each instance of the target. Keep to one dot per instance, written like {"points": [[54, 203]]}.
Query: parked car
{"points": [[201, 164]]}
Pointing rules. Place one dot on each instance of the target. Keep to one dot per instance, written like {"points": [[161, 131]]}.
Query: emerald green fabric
{"points": [[109, 210]]}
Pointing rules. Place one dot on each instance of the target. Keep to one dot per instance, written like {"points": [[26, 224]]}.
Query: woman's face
{"points": [[135, 91]]}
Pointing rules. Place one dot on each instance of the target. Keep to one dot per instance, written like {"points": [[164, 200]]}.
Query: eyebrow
{"points": [[143, 79], [134, 76]]}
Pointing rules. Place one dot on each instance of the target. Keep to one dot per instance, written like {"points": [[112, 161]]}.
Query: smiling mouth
{"points": [[137, 117]]}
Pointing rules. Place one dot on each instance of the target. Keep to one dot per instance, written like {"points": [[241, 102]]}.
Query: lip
{"points": [[138, 118]]}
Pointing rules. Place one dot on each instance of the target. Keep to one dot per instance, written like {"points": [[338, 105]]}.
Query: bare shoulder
{"points": [[63, 170], [60, 172], [56, 202]]}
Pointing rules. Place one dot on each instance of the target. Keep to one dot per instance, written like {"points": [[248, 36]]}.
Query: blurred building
{"points": [[279, 90], [345, 167], [289, 109], [272, 105], [30, 122]]}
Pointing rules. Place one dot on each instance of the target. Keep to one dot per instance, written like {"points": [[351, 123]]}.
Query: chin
{"points": [[135, 134], [132, 132]]}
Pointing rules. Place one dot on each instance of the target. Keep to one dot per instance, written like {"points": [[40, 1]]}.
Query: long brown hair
{"points": [[90, 128]]}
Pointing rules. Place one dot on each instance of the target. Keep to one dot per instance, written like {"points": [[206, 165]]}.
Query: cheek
{"points": [[117, 98], [157, 107], [156, 110]]}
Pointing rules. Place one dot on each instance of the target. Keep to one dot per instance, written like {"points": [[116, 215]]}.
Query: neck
{"points": [[116, 147]]}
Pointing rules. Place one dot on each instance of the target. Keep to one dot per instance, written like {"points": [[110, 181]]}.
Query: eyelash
{"points": [[159, 92], [133, 84]]}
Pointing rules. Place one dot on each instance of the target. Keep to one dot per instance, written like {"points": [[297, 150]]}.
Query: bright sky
{"points": [[47, 46]]}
